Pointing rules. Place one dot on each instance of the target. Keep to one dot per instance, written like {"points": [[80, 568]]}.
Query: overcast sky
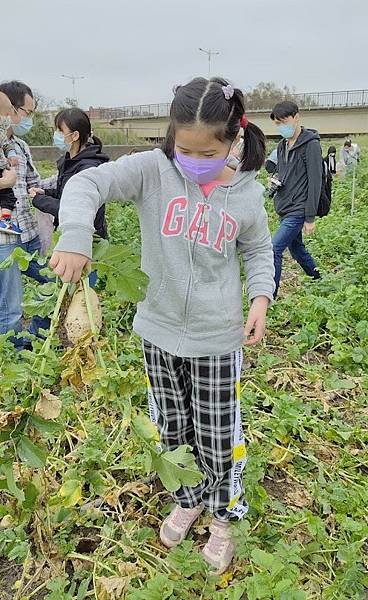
{"points": [[133, 51]]}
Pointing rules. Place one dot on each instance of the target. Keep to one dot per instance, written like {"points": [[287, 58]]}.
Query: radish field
{"points": [[84, 488]]}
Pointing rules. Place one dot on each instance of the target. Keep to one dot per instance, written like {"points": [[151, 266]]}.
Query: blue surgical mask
{"points": [[23, 127], [59, 142], [286, 130]]}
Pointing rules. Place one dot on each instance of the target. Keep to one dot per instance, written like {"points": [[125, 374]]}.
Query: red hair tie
{"points": [[244, 121]]}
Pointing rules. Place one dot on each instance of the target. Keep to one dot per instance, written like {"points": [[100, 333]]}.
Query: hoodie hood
{"points": [[305, 136], [90, 154]]}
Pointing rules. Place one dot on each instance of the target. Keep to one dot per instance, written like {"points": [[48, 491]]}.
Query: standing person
{"points": [[355, 150], [349, 156], [196, 214], [345, 152], [296, 197], [73, 136], [7, 158], [330, 160], [330, 169], [11, 291]]}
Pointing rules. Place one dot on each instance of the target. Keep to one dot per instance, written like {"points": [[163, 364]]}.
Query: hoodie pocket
{"points": [[214, 308], [166, 301]]}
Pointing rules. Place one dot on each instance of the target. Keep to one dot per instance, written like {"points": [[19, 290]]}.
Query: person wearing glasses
{"points": [[11, 291], [8, 158]]}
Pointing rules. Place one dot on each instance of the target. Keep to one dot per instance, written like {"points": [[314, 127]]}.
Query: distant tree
{"points": [[71, 102], [41, 132], [266, 94]]}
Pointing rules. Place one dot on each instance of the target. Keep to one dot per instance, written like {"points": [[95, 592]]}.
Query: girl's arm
{"points": [[125, 179], [256, 248], [86, 192]]}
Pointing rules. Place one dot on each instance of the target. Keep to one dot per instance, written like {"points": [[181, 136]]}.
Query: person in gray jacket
{"points": [[196, 215], [297, 190]]}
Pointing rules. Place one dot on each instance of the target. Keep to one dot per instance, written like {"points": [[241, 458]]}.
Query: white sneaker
{"points": [[176, 526]]}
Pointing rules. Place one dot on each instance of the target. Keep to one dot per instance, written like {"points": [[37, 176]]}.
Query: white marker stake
{"points": [[353, 192]]}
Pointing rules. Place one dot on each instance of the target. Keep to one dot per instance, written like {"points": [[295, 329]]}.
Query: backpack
{"points": [[324, 205]]}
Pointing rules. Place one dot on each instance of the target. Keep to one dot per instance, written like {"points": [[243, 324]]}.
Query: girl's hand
{"points": [[256, 323], [69, 265], [33, 191]]}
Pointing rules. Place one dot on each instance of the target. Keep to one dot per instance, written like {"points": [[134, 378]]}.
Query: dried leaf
{"points": [[112, 498], [7, 522], [136, 487], [298, 497], [129, 569], [9, 417], [48, 405], [111, 588]]}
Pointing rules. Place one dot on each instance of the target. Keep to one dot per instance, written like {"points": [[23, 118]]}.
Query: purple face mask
{"points": [[200, 170]]}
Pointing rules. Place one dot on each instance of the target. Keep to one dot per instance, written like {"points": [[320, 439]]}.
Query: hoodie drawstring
{"points": [[188, 227], [206, 218], [226, 202]]}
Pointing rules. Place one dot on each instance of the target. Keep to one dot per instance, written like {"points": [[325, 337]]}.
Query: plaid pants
{"points": [[195, 401]]}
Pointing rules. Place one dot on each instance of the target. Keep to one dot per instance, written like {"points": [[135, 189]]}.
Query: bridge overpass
{"points": [[333, 114]]}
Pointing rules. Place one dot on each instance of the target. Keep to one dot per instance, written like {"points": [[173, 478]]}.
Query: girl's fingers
{"points": [[54, 261], [60, 268], [253, 333]]}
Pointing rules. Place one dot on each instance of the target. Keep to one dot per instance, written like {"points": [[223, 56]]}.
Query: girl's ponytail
{"points": [[96, 141], [254, 148]]}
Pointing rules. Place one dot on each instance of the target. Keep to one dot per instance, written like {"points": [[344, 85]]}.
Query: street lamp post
{"points": [[210, 54], [73, 79]]}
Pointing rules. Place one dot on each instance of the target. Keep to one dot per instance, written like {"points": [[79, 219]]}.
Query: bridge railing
{"points": [[307, 101], [341, 99]]}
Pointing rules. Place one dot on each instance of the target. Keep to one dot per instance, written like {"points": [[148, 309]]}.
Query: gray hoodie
{"points": [[190, 245]]}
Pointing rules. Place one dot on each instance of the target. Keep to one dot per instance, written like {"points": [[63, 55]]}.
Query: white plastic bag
{"points": [[45, 223]]}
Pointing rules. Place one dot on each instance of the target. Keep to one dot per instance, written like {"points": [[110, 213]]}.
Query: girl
{"points": [[82, 151], [196, 215]]}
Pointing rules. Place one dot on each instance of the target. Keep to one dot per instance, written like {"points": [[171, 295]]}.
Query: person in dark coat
{"points": [[330, 168], [330, 160], [83, 150], [297, 194]]}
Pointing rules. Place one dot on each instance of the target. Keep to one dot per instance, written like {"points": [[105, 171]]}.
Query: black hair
{"points": [[77, 120], [202, 101], [16, 92], [347, 143], [331, 150], [283, 110]]}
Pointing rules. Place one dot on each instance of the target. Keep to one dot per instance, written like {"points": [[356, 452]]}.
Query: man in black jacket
{"points": [[299, 171]]}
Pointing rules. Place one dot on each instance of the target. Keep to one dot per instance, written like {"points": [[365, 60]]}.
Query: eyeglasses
{"points": [[28, 113]]}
